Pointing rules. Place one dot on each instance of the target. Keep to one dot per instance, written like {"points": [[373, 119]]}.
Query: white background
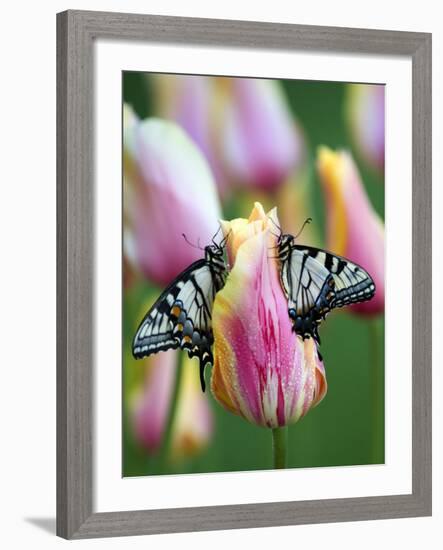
{"points": [[111, 491], [28, 271]]}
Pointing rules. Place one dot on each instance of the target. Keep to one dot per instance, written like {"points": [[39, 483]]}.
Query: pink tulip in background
{"points": [[365, 110], [261, 145], [189, 101], [192, 425], [169, 190], [150, 405], [242, 125], [354, 229], [263, 371]]}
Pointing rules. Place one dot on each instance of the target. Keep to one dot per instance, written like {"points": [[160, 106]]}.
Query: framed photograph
{"points": [[244, 274]]}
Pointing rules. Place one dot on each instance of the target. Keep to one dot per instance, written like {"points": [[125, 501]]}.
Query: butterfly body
{"points": [[316, 281], [181, 317]]}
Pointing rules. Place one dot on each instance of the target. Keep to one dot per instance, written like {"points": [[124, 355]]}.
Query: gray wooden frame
{"points": [[76, 32]]}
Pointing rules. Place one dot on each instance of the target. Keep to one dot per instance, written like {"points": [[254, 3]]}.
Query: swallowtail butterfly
{"points": [[181, 317], [316, 281]]}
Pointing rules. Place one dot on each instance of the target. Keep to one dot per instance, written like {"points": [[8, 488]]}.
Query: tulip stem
{"points": [[167, 435], [279, 446]]}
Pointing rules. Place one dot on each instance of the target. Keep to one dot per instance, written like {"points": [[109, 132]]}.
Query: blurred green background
{"points": [[347, 427]]}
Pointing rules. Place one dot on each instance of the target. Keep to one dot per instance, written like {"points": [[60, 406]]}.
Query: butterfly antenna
{"points": [[309, 220], [225, 239], [217, 232], [191, 244], [277, 226], [276, 235]]}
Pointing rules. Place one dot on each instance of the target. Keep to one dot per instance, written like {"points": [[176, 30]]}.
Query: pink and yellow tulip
{"points": [[354, 229], [263, 371]]}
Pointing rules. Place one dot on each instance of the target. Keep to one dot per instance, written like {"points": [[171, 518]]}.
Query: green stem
{"points": [[167, 435], [279, 446], [377, 391]]}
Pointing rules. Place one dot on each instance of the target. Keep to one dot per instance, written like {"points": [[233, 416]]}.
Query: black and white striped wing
{"points": [[181, 317], [309, 287], [352, 284]]}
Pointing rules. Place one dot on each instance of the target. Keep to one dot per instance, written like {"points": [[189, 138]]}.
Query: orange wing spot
{"points": [[176, 311], [187, 339]]}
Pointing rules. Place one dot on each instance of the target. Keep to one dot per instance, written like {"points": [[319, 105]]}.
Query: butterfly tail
{"points": [[202, 375], [316, 335]]}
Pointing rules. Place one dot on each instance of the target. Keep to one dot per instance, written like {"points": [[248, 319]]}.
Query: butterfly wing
{"points": [[309, 287], [181, 317], [352, 283], [317, 281]]}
